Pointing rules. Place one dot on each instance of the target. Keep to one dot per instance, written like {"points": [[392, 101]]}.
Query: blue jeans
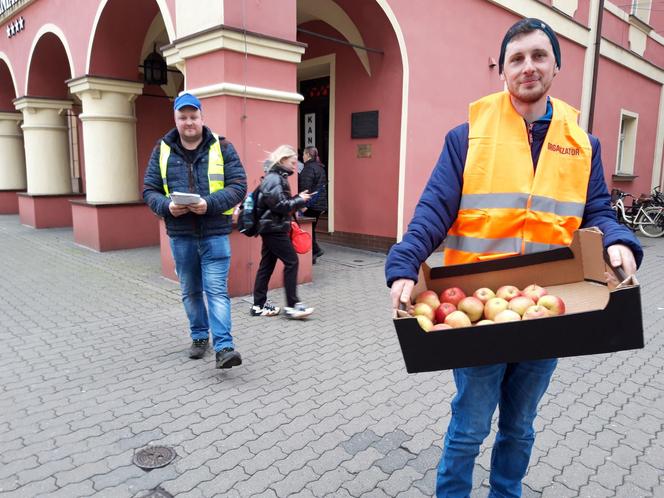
{"points": [[202, 265], [516, 388]]}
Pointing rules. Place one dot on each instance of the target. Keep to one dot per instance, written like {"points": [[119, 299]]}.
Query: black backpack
{"points": [[247, 220]]}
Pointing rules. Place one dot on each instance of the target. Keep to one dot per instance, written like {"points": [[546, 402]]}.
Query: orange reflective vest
{"points": [[507, 206]]}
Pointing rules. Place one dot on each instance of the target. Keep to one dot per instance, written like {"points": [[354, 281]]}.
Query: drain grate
{"points": [[153, 457]]}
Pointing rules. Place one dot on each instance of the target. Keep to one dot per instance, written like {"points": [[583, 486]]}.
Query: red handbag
{"points": [[301, 240]]}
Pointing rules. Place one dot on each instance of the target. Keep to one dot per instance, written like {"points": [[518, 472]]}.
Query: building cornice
{"points": [[229, 38], [14, 9]]}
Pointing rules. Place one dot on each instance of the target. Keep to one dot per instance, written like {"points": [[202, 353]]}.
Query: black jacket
{"points": [[275, 203], [185, 177], [314, 179]]}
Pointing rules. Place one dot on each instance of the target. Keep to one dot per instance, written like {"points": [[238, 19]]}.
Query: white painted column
{"points": [[109, 138], [12, 153], [45, 138]]}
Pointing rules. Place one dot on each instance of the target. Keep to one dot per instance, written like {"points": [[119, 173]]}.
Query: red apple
{"points": [[424, 322], [440, 326], [443, 310], [494, 306], [535, 312], [508, 292], [534, 292], [423, 309], [507, 316], [428, 297], [472, 307], [520, 304], [484, 294], [452, 295], [457, 319], [554, 304], [485, 322]]}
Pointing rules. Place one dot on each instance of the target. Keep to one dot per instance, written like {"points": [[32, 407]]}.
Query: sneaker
{"points": [[198, 348], [298, 311], [268, 309], [227, 358]]}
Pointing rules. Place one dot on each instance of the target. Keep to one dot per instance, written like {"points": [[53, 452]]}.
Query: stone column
{"points": [[109, 138], [12, 154], [46, 144]]}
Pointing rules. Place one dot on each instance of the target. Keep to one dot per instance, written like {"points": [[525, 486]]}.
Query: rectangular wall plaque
{"points": [[363, 150], [364, 124]]}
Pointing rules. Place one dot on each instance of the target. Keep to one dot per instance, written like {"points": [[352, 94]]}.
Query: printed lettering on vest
{"points": [[568, 151]]}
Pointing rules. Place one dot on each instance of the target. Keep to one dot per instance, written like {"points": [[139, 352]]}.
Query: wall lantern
{"points": [[155, 71]]}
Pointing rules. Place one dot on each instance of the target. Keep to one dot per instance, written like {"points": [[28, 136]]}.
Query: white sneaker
{"points": [[268, 309], [298, 311]]}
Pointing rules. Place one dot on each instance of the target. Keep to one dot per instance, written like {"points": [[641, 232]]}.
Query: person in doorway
{"points": [[313, 179], [276, 208], [524, 167], [192, 159]]}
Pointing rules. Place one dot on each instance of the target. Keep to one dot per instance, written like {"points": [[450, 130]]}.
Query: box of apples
{"points": [[548, 304]]}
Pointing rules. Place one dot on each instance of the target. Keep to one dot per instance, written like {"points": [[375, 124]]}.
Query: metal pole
{"points": [[598, 41]]}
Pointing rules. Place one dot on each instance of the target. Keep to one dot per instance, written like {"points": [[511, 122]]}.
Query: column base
{"points": [[109, 227], [246, 256], [9, 201], [46, 210]]}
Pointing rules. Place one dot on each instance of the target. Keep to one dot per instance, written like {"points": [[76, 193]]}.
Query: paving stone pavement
{"points": [[93, 366]]}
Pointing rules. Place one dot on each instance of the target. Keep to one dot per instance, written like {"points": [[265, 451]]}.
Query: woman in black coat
{"points": [[275, 210], [313, 179]]}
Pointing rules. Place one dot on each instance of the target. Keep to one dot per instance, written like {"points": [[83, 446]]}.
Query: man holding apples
{"points": [[519, 177]]}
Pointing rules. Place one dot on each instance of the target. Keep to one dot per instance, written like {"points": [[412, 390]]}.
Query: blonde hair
{"points": [[275, 157]]}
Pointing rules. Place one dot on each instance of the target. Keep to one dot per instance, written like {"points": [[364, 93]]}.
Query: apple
{"points": [[443, 310], [507, 316], [554, 304], [494, 306], [452, 295], [424, 310], [508, 292], [535, 312], [424, 322], [534, 292], [484, 294], [472, 307], [428, 297], [520, 304], [440, 326], [457, 319], [485, 322]]}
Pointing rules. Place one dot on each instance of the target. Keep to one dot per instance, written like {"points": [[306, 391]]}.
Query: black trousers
{"points": [[276, 246], [313, 213]]}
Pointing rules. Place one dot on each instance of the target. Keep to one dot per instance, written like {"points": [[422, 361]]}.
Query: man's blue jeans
{"points": [[516, 388], [202, 265]]}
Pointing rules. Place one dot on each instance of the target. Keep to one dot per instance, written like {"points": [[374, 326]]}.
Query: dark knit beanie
{"points": [[528, 26]]}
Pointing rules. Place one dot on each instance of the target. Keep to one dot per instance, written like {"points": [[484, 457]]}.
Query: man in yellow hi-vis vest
{"points": [[194, 180], [521, 176]]}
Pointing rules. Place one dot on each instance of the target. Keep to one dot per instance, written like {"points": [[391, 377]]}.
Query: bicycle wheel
{"points": [[654, 228]]}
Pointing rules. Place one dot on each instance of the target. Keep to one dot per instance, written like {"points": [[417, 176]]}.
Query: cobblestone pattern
{"points": [[94, 366]]}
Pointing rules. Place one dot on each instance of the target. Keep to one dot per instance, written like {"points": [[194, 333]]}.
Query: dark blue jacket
{"points": [[437, 208], [185, 177]]}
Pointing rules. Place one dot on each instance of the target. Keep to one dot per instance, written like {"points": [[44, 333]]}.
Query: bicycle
{"points": [[645, 213]]}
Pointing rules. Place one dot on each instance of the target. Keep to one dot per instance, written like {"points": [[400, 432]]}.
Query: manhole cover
{"points": [[155, 493], [154, 457]]}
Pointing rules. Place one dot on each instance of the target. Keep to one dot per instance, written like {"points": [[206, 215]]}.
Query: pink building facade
{"points": [[375, 85]]}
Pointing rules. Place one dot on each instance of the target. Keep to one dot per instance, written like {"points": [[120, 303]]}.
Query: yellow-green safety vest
{"points": [[215, 167]]}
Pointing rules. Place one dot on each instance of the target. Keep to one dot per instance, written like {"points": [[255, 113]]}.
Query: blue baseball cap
{"points": [[186, 99]]}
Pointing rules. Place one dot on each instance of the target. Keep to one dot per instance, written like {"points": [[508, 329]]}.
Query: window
{"points": [[626, 143], [641, 10]]}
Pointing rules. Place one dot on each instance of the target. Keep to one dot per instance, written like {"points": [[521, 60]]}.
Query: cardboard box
{"points": [[597, 319]]}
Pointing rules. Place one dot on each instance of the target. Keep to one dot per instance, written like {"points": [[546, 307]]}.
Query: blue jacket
{"points": [[437, 208], [185, 177]]}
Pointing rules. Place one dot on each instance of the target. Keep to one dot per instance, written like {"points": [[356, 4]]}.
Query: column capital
{"points": [[224, 37], [31, 104], [11, 116], [94, 85]]}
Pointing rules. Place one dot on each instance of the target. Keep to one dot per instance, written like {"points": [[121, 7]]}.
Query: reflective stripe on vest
{"points": [[506, 206], [215, 167]]}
